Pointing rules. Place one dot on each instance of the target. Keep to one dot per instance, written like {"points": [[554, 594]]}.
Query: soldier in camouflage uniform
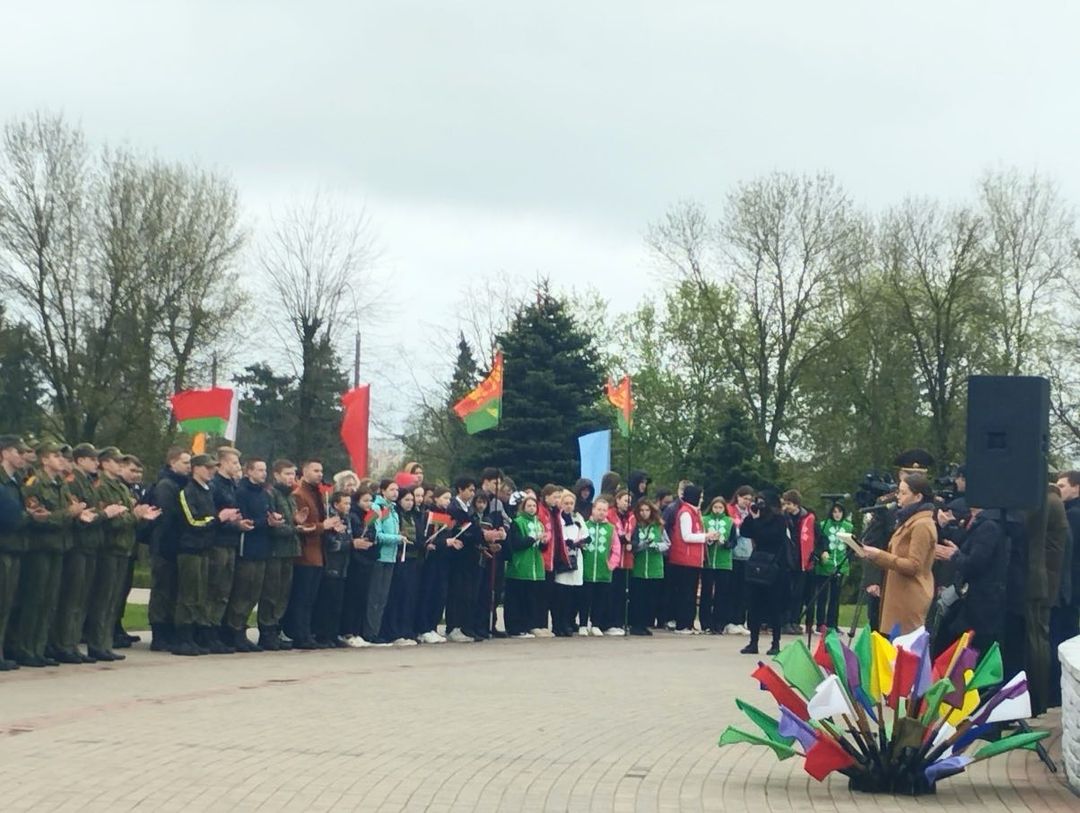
{"points": [[53, 513]]}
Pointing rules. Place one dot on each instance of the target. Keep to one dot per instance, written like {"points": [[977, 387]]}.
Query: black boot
{"points": [[752, 647], [242, 644], [268, 639], [283, 642], [184, 641], [105, 655], [199, 638], [67, 656], [8, 666], [212, 642], [224, 637], [161, 637]]}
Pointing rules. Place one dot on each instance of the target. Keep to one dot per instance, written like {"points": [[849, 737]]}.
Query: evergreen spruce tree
{"points": [[729, 456], [551, 385]]}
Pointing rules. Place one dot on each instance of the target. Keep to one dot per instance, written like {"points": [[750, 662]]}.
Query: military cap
{"points": [[50, 447], [914, 460], [11, 442], [959, 508], [110, 453], [131, 459], [203, 460], [65, 450], [84, 450]]}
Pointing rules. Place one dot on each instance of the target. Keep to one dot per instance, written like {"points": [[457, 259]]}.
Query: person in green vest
{"points": [[647, 579], [596, 593], [831, 568], [53, 512], [525, 578], [716, 570]]}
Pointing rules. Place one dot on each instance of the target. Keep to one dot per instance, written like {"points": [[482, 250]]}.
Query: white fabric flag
{"points": [[829, 700]]}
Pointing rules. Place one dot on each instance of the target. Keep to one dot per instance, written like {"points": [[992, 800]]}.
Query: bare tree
{"points": [[766, 275], [316, 258]]}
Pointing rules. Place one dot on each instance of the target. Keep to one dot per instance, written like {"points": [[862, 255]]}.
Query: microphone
{"points": [[885, 506]]}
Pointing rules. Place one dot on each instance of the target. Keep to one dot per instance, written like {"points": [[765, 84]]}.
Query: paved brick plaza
{"points": [[505, 725]]}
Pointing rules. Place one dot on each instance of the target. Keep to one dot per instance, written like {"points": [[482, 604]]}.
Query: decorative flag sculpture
{"points": [[622, 398], [482, 408], [883, 714], [205, 412]]}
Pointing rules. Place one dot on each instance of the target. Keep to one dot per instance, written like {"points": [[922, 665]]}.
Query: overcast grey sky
{"points": [[543, 137]]}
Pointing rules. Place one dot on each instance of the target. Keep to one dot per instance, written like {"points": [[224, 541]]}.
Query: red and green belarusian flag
{"points": [[622, 399], [482, 408], [211, 411]]}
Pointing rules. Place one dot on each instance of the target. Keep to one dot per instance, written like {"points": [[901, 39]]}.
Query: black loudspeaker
{"points": [[1008, 440]]}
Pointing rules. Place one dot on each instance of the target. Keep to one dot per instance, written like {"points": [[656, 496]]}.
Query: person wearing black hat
{"points": [[13, 530]]}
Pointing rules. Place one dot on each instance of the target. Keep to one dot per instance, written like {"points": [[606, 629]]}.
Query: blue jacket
{"points": [[254, 503], [387, 530]]}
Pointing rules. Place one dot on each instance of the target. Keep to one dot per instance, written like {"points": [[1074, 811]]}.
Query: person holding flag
{"points": [[437, 528]]}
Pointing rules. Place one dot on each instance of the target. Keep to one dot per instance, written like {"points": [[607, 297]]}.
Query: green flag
{"points": [[836, 655], [733, 735], [770, 726], [799, 668], [989, 671], [1023, 740], [860, 645], [933, 697]]}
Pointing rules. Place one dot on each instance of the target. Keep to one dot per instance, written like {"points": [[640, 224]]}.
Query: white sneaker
{"points": [[583, 631], [429, 638], [438, 639], [456, 636], [616, 631], [404, 642], [731, 629], [356, 642], [596, 631], [683, 632], [524, 635], [743, 629], [541, 632], [670, 625]]}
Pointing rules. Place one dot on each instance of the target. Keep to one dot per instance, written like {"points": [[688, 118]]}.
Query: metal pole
{"points": [[356, 363]]}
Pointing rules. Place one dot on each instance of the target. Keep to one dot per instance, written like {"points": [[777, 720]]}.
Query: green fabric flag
{"points": [[1023, 740], [799, 668], [989, 671], [733, 735], [860, 645], [933, 697], [770, 726], [836, 654]]}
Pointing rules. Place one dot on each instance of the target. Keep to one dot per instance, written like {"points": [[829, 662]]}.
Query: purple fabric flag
{"points": [[894, 633], [949, 766], [792, 726], [851, 662], [1010, 691], [965, 660]]}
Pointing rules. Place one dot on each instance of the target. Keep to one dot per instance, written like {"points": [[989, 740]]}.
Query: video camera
{"points": [[874, 486]]}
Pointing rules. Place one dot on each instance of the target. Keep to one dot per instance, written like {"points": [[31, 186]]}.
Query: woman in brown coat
{"points": [[908, 586]]}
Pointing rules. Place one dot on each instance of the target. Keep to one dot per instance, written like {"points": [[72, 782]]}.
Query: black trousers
{"points": [[684, 584], [665, 605], [737, 606], [305, 589], [462, 587], [715, 595], [644, 594], [326, 615], [489, 590], [826, 608], [619, 614], [400, 618], [767, 604], [523, 606], [796, 598], [565, 609], [354, 602], [432, 599], [594, 605]]}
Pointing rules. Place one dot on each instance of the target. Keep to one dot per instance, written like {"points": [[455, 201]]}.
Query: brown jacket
{"points": [[908, 587], [1057, 544], [311, 549]]}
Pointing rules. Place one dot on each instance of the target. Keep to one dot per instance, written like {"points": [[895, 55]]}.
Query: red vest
{"points": [[688, 554], [806, 539], [548, 553]]}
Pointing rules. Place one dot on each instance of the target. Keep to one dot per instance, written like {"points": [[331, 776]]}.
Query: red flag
{"points": [[825, 756], [821, 656], [944, 660], [778, 688], [354, 426], [904, 673]]}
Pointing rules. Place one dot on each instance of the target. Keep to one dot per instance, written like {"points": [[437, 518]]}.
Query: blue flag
{"points": [[595, 456]]}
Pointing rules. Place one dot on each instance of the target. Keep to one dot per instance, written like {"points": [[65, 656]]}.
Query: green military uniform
{"points": [[39, 581], [277, 581], [77, 574], [222, 555], [117, 545], [12, 548], [198, 523]]}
